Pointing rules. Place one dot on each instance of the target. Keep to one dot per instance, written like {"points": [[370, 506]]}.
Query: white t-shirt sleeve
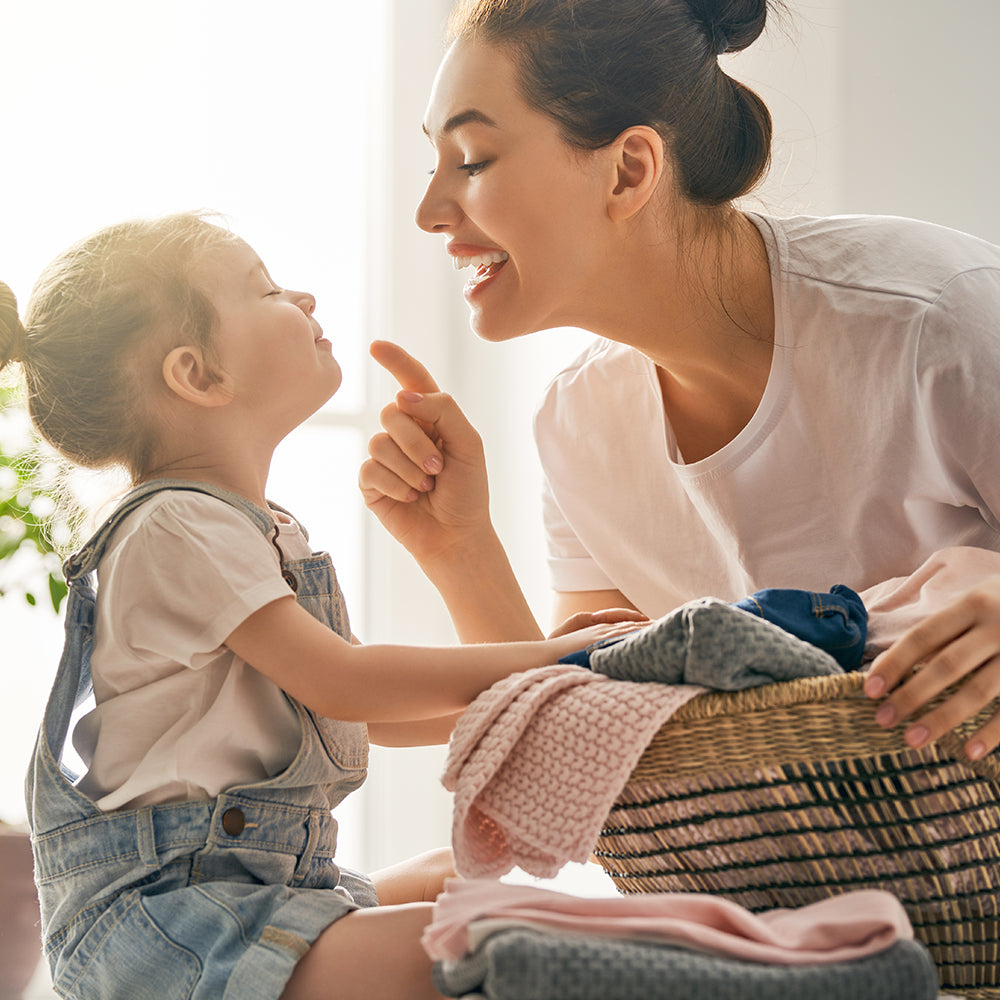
{"points": [[959, 371], [571, 566], [183, 575]]}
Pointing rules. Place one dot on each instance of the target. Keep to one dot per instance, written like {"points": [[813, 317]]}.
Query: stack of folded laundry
{"points": [[511, 942]]}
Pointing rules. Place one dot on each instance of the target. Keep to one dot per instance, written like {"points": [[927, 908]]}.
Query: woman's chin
{"points": [[496, 331]]}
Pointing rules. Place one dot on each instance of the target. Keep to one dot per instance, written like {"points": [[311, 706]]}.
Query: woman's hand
{"points": [[426, 482], [958, 645], [609, 616], [426, 477]]}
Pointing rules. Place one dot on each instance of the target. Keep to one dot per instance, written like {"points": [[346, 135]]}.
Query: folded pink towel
{"points": [[839, 929], [537, 761]]}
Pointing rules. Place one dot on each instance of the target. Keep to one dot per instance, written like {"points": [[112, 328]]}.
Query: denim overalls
{"points": [[202, 899]]}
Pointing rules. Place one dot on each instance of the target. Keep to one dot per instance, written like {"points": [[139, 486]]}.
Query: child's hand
{"points": [[426, 477], [960, 642], [609, 616], [563, 643]]}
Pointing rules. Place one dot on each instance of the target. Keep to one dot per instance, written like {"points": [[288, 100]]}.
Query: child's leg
{"points": [[371, 954]]}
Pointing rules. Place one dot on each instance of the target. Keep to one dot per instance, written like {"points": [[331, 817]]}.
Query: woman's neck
{"points": [[702, 309]]}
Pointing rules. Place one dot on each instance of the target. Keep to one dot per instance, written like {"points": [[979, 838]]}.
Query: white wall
{"points": [[883, 106]]}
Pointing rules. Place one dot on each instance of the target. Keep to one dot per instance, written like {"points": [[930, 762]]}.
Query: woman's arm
{"points": [[426, 482], [382, 683]]}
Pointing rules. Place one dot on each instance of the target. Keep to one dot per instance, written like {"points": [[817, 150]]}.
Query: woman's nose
{"points": [[438, 211]]}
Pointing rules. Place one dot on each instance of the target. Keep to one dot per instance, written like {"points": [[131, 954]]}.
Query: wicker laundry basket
{"points": [[782, 795]]}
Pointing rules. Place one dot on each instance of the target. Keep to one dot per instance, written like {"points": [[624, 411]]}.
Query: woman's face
{"points": [[513, 199]]}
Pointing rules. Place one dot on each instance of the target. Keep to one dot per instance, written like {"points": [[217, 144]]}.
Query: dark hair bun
{"points": [[732, 25]]}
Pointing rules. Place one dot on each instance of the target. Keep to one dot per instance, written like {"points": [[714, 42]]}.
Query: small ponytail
{"points": [[13, 336]]}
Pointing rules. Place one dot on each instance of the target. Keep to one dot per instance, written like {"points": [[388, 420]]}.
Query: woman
{"points": [[771, 402]]}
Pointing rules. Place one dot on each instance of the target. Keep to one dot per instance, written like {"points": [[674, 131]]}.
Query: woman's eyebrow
{"points": [[464, 118]]}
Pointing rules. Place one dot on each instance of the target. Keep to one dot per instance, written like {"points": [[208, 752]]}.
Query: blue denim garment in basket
{"points": [[212, 899], [836, 622]]}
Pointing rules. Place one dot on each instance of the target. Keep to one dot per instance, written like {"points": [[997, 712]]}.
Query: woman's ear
{"points": [[189, 376], [639, 164]]}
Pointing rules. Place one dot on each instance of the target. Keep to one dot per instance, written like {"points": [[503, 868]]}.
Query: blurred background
{"points": [[301, 124]]}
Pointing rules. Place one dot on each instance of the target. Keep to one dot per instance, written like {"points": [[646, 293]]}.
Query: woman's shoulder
{"points": [[601, 362], [882, 254], [590, 386]]}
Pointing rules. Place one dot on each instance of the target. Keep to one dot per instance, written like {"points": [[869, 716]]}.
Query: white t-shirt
{"points": [[874, 445], [178, 715]]}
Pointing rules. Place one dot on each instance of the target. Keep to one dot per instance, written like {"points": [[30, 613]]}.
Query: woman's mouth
{"points": [[487, 265]]}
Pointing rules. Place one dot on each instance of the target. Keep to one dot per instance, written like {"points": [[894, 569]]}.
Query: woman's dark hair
{"points": [[600, 66]]}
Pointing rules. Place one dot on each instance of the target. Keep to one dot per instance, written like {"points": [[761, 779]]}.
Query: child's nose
{"points": [[306, 301]]}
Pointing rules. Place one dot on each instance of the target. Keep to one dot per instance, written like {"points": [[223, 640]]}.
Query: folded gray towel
{"points": [[714, 644], [526, 964]]}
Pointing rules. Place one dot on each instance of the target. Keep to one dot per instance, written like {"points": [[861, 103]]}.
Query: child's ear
{"points": [[639, 165], [188, 375]]}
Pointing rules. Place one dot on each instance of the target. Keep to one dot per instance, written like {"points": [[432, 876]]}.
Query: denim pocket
{"points": [[125, 954]]}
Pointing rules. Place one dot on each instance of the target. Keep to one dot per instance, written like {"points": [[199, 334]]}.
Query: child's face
{"points": [[269, 346]]}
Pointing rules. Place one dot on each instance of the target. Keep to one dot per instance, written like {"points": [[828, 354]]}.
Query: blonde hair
{"points": [[89, 316]]}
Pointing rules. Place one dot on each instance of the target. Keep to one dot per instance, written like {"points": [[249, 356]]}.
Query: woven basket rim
{"points": [[782, 694], [813, 718]]}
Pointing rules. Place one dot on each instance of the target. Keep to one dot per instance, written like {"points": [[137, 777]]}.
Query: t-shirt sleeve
{"points": [[184, 576], [571, 567], [959, 372]]}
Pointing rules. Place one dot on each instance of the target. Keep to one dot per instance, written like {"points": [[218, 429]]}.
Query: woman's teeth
{"points": [[483, 260]]}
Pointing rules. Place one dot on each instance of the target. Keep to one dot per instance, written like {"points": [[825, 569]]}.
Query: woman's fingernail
{"points": [[886, 715], [975, 750], [412, 495], [875, 687], [433, 465], [410, 396], [427, 485], [917, 736]]}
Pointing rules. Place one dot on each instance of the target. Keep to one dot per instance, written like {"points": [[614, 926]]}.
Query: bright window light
{"points": [[263, 113]]}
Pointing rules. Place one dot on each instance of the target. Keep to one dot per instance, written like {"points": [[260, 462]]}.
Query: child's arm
{"points": [[382, 683], [421, 733]]}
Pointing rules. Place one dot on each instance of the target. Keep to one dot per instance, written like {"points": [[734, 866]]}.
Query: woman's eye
{"points": [[474, 168]]}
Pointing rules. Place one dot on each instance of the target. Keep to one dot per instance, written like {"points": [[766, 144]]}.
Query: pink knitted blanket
{"points": [[537, 761]]}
